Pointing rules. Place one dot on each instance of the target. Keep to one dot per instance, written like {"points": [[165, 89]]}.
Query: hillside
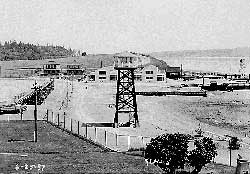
{"points": [[88, 61], [25, 51], [235, 52]]}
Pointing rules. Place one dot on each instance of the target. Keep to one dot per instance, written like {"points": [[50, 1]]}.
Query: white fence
{"points": [[99, 135]]}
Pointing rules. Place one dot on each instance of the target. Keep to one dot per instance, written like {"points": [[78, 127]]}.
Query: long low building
{"points": [[148, 73]]}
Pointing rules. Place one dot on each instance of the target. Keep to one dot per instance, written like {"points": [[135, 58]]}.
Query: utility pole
{"points": [[230, 153], [67, 94], [35, 112], [72, 82]]}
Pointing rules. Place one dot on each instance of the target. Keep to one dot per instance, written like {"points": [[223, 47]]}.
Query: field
{"points": [[11, 68], [220, 113], [12, 87], [58, 152]]}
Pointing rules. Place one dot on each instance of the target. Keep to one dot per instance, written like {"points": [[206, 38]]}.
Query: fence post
{"points": [[52, 115], [95, 135], [71, 124], [86, 131], [21, 114], [105, 138], [47, 115], [58, 120], [116, 140], [64, 120], [128, 142], [78, 127]]}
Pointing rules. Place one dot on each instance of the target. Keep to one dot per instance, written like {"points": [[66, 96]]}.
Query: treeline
{"points": [[11, 50]]}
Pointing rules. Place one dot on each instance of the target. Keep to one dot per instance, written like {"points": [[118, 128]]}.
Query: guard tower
{"points": [[125, 64]]}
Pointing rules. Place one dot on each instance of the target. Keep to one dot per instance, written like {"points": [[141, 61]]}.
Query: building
{"points": [[173, 72], [28, 71], [149, 73], [104, 74], [51, 68], [73, 69]]}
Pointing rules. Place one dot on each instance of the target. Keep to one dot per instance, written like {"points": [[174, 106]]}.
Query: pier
{"points": [[42, 93], [158, 93], [226, 86]]}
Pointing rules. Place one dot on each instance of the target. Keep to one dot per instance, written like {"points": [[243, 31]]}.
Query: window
{"points": [[52, 66], [138, 77], [92, 77], [149, 78], [73, 66], [149, 72], [102, 78], [160, 78], [102, 72], [113, 77]]}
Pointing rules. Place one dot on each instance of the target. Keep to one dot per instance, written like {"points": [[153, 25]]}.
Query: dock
{"points": [[29, 98], [159, 93], [226, 87]]}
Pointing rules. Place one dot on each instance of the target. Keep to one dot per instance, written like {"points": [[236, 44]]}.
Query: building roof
{"points": [[108, 68], [125, 54], [173, 69], [52, 62], [73, 64]]}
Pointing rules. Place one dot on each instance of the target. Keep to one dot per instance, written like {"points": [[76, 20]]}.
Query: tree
{"points": [[168, 151], [234, 143], [203, 153]]}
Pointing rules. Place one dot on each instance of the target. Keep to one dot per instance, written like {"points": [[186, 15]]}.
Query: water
{"points": [[229, 65], [9, 88]]}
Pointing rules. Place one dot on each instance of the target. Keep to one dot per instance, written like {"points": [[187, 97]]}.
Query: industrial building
{"points": [[73, 69], [51, 68], [149, 73]]}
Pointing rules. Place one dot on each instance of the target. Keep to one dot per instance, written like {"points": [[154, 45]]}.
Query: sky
{"points": [[111, 26]]}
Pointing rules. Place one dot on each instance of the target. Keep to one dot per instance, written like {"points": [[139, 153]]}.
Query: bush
{"points": [[234, 143], [170, 152]]}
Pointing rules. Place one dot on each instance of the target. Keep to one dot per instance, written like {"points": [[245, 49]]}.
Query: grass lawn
{"points": [[58, 152]]}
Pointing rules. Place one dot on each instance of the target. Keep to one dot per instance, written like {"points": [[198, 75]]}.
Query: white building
{"points": [[149, 73]]}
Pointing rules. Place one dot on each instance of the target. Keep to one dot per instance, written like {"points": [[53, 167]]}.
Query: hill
{"points": [[235, 52], [25, 51], [88, 61]]}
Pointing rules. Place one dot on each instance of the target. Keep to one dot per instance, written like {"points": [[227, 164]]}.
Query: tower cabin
{"points": [[127, 59]]}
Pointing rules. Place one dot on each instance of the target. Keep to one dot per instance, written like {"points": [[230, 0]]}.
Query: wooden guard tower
{"points": [[125, 95]]}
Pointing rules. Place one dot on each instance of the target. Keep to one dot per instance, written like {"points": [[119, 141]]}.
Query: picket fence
{"points": [[98, 135]]}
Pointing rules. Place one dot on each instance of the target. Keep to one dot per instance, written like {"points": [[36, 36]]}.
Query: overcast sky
{"points": [[109, 26]]}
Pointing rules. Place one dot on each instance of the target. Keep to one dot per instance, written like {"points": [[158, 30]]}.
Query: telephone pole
{"points": [[35, 112], [67, 94], [72, 82], [230, 153]]}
